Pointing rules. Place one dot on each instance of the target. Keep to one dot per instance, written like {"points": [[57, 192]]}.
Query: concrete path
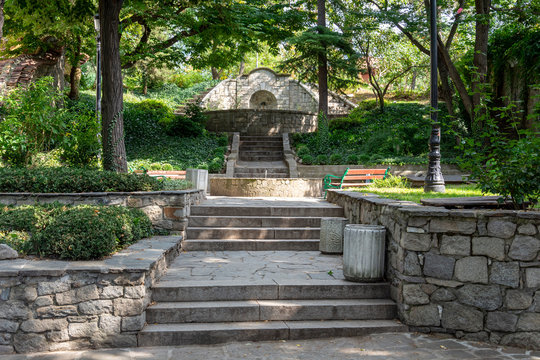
{"points": [[391, 346]]}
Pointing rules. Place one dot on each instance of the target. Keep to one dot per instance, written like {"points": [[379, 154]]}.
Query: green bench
{"points": [[353, 178]]}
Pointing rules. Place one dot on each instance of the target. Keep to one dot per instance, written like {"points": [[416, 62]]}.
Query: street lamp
{"points": [[98, 63], [434, 181]]}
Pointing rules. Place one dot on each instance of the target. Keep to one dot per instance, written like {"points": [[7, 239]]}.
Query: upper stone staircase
{"points": [[251, 272], [261, 157]]}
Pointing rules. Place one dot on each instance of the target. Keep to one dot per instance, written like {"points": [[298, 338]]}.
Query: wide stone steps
{"points": [[260, 147], [251, 245], [280, 211], [212, 333], [253, 221], [250, 157], [252, 233], [282, 289], [270, 310], [283, 175], [269, 171]]}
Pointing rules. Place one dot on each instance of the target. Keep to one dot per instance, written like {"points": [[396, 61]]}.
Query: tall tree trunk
{"points": [[75, 73], [480, 55], [446, 92], [112, 132], [2, 19], [323, 61], [216, 73], [413, 80], [242, 68]]}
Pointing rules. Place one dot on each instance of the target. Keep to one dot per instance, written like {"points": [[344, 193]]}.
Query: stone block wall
{"points": [[471, 273], [264, 122], [266, 187], [167, 210], [48, 305]]}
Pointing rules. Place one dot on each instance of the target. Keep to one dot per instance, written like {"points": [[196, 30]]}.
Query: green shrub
{"points": [[215, 165], [155, 166], [223, 140], [166, 167], [92, 232], [363, 159], [391, 181], [307, 160], [336, 159], [175, 184], [322, 159], [190, 125], [68, 180], [17, 240], [352, 159], [82, 147], [145, 121], [302, 150], [32, 122]]}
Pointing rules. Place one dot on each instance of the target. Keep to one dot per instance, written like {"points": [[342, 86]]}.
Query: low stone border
{"points": [[471, 273], [282, 187], [49, 305], [167, 210]]}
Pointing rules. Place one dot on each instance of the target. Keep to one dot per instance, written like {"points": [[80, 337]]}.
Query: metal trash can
{"points": [[331, 239], [363, 252]]}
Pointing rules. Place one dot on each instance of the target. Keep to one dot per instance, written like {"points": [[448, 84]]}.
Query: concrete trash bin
{"points": [[331, 239], [363, 252]]}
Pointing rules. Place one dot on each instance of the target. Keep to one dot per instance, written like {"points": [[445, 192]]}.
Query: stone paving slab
{"points": [[255, 265], [386, 346], [266, 201]]}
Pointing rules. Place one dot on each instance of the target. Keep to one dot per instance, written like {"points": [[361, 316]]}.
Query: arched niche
{"points": [[262, 100]]}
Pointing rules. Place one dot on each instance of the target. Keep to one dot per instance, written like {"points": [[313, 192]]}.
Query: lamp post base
{"points": [[438, 188]]}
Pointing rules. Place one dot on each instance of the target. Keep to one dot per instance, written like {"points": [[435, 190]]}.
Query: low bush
{"points": [[76, 233], [336, 159], [307, 160], [81, 147], [67, 180], [145, 121], [190, 125]]}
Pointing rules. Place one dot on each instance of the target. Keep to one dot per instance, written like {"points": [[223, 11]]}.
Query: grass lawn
{"points": [[415, 194]]}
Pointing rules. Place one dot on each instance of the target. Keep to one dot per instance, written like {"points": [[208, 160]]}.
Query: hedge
{"points": [[72, 180], [81, 232]]}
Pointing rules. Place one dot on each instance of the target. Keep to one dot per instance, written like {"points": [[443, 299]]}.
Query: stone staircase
{"points": [[261, 157], [221, 290]]}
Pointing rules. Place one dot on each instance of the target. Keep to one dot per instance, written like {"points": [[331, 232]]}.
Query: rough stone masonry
{"points": [[471, 273]]}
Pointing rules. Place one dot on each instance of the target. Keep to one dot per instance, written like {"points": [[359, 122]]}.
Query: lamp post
{"points": [[434, 181], [98, 66]]}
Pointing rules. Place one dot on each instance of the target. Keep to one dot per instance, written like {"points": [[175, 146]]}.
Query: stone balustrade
{"points": [[168, 210], [471, 273]]}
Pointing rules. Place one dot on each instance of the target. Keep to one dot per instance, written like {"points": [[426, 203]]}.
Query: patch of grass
{"points": [[415, 194]]}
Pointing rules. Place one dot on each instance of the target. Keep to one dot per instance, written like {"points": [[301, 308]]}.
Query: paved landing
{"points": [[255, 265], [390, 346]]}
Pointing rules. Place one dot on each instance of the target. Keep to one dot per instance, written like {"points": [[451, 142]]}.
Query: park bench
{"points": [[353, 178], [173, 174]]}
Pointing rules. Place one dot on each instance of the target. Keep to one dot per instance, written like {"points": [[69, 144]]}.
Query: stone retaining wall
{"points": [[167, 210], [471, 273], [266, 187], [48, 305], [261, 122]]}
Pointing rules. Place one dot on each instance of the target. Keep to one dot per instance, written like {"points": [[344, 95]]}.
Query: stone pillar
{"points": [[363, 252], [199, 178], [331, 241]]}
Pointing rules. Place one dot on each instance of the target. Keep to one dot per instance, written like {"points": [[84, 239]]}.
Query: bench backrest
{"points": [[170, 173], [362, 174]]}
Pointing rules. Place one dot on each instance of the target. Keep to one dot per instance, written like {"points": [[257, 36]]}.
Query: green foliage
{"points": [[68, 180], [502, 163], [33, 122], [416, 194], [321, 159], [307, 159], [190, 125], [91, 232], [391, 181], [145, 120], [336, 159], [397, 136], [190, 78], [81, 147]]}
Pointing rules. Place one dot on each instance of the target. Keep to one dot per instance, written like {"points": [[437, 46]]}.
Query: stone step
{"points": [[260, 148], [257, 170], [223, 233], [278, 289], [270, 310], [213, 333], [279, 211], [253, 221], [251, 245], [261, 157], [261, 176], [261, 142], [260, 137]]}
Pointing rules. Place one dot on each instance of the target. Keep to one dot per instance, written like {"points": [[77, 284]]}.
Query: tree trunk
{"points": [[112, 132], [446, 92], [74, 82], [216, 74], [323, 61], [242, 68], [480, 61], [2, 19], [413, 80]]}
